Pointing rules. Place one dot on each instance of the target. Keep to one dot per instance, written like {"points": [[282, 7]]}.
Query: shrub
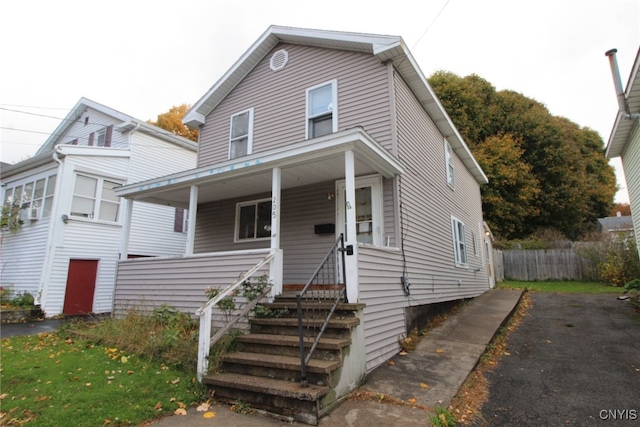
{"points": [[23, 299]]}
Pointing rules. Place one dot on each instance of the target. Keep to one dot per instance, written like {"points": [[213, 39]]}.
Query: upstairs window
{"points": [[241, 134], [322, 110], [451, 178], [253, 220], [459, 242], [103, 137], [94, 198]]}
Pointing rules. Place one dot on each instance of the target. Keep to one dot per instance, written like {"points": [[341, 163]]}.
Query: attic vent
{"points": [[279, 60]]}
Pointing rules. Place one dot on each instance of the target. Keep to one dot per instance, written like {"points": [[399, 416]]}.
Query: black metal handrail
{"points": [[327, 285]]}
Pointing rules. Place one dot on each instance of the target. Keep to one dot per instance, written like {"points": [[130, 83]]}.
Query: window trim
{"points": [[460, 254], [249, 135], [27, 201], [334, 107], [97, 199], [236, 228], [449, 164]]}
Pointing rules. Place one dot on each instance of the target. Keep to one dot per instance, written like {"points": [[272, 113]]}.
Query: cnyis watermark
{"points": [[618, 414]]}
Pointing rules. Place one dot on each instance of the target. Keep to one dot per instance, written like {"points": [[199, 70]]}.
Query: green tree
{"points": [[508, 201], [572, 182], [172, 122]]}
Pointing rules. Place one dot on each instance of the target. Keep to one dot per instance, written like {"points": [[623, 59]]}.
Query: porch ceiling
{"points": [[309, 162]]}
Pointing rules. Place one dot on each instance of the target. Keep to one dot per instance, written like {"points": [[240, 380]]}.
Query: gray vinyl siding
{"points": [[379, 272], [301, 209], [145, 283], [631, 164], [428, 204], [278, 99]]}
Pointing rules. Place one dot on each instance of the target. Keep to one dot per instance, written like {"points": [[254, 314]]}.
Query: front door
{"points": [[81, 285], [368, 210]]}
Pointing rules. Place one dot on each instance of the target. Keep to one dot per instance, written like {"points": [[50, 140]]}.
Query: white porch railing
{"points": [[205, 340]]}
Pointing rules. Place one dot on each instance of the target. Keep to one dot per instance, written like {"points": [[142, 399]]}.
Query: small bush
{"points": [[443, 418], [23, 299], [6, 295]]}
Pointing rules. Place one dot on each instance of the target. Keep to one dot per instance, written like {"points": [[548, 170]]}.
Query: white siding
{"points": [[22, 254], [97, 121], [631, 164]]}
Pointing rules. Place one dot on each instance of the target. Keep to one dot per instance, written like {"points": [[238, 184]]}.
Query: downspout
{"points": [[623, 106], [41, 296]]}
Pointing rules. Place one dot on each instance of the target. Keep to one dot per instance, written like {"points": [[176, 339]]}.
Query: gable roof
{"points": [[616, 223], [129, 123], [623, 127], [385, 48]]}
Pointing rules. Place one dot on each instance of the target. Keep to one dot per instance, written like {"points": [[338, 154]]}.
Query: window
{"points": [[241, 134], [451, 178], [103, 137], [322, 109], [459, 243], [95, 199], [181, 220], [253, 220], [35, 194]]}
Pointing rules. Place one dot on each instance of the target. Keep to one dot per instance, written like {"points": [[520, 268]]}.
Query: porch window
{"points": [[94, 198], [253, 220], [322, 117], [459, 242], [36, 194], [241, 134], [451, 178]]}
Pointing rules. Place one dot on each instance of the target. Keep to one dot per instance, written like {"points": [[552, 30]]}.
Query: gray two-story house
{"points": [[308, 136]]}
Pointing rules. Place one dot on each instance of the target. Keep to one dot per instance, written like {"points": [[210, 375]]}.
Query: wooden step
{"points": [[289, 345], [290, 389], [348, 323]]}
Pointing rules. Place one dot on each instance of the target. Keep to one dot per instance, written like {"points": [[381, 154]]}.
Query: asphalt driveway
{"points": [[574, 360]]}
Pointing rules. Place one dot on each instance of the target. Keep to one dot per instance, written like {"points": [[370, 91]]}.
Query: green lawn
{"points": [[567, 287], [51, 380]]}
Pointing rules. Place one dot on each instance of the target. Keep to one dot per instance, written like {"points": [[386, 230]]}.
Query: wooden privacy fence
{"points": [[543, 264]]}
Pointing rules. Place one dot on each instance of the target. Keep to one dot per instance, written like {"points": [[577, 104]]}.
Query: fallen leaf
{"points": [[130, 372], [203, 407], [439, 350], [391, 363], [88, 384], [180, 411], [124, 359], [506, 353], [158, 406], [403, 353], [181, 405], [209, 414], [176, 381], [412, 400], [3, 395], [423, 385]]}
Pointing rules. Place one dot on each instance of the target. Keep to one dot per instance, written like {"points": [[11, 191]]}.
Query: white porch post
{"points": [[351, 261], [276, 265], [191, 221], [126, 228]]}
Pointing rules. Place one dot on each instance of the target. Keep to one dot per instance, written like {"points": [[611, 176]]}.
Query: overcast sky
{"points": [[143, 56]]}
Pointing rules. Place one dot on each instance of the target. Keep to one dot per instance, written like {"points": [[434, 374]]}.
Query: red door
{"points": [[81, 284]]}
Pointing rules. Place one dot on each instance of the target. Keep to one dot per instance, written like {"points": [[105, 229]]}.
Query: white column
{"points": [[276, 266], [351, 261], [191, 221], [125, 235]]}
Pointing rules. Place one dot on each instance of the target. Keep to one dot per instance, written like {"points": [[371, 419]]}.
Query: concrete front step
{"points": [[287, 399], [289, 345]]}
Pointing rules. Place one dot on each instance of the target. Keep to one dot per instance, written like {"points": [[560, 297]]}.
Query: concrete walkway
{"points": [[442, 361]]}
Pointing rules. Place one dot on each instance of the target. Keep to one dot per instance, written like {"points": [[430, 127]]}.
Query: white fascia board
{"points": [[74, 150]]}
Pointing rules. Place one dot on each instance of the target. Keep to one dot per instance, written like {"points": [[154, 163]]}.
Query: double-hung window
{"points": [[322, 117], [253, 220], [451, 177], [94, 198], [241, 134], [459, 242]]}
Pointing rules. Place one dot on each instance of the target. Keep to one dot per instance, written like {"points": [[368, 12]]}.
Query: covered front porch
{"points": [[298, 186]]}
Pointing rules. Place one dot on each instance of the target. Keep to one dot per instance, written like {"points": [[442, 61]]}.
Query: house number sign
{"points": [[273, 207]]}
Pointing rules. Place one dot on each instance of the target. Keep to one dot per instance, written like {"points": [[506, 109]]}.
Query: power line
{"points": [[33, 106], [430, 25]]}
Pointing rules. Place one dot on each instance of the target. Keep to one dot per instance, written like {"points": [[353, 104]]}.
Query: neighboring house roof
{"points": [[129, 123], [622, 128], [615, 223], [385, 48]]}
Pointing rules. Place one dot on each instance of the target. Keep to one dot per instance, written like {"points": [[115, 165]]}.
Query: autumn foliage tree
{"points": [[172, 122], [545, 172]]}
